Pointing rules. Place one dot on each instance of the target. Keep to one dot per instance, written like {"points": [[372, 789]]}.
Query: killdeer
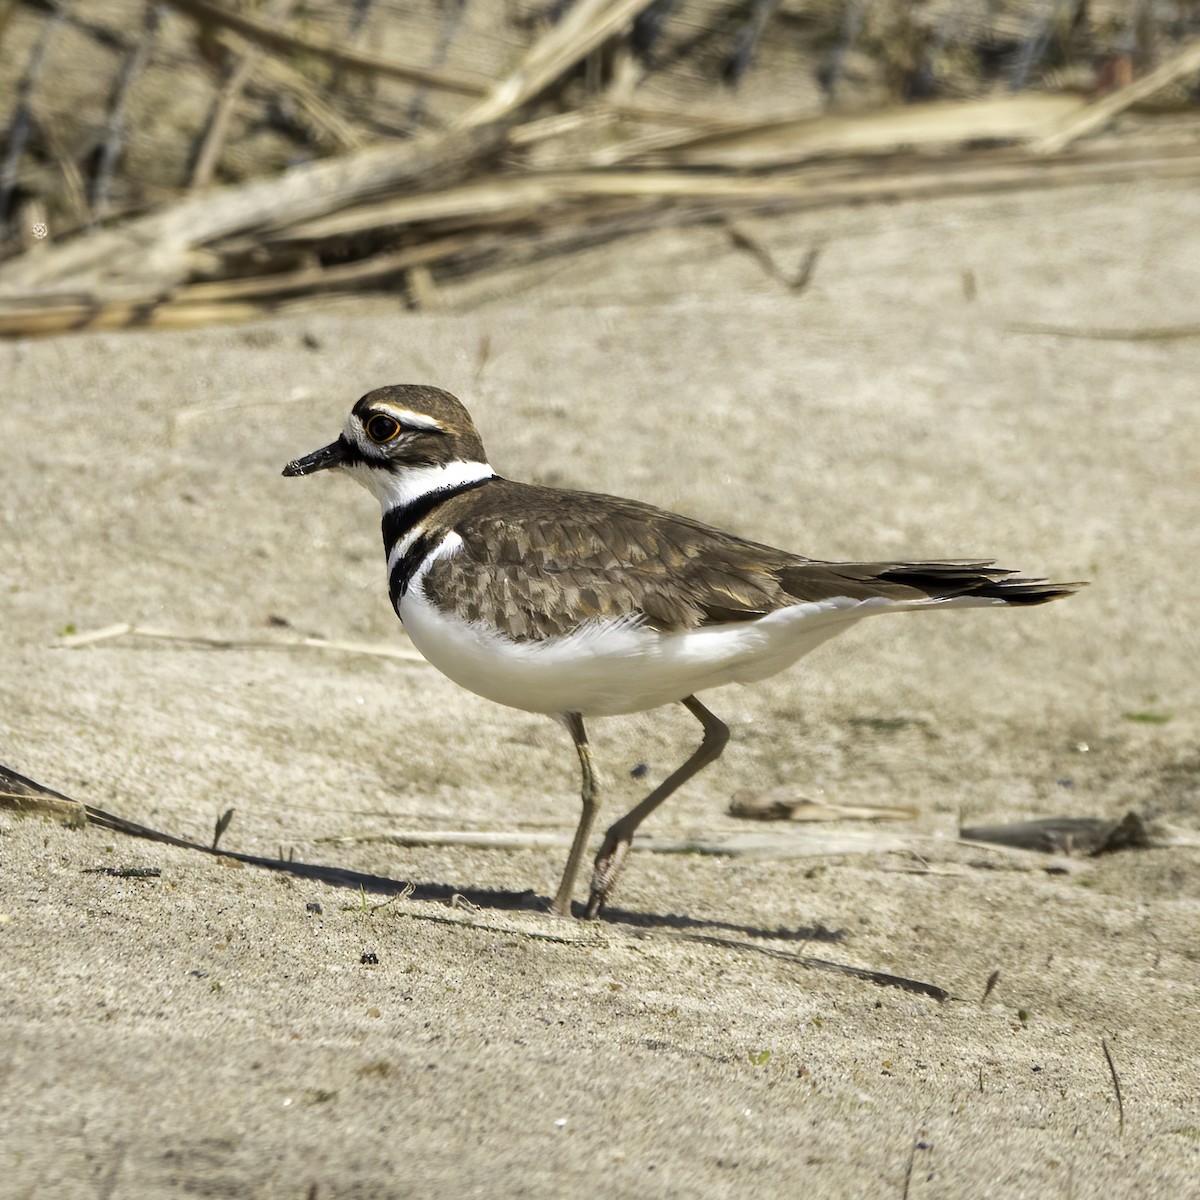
{"points": [[580, 605]]}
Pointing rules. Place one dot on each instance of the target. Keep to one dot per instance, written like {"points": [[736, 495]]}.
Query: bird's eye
{"points": [[382, 429]]}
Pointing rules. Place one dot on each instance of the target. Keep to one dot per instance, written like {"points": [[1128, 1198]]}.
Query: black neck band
{"points": [[401, 520]]}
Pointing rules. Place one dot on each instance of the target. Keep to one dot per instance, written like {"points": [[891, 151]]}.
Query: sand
{"points": [[214, 1031]]}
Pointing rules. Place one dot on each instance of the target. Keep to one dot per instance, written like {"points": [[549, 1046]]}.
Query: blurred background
{"points": [[403, 147]]}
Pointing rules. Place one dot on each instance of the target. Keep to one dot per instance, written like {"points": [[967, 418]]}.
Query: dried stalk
{"points": [[147, 257], [218, 127], [21, 122], [452, 18], [588, 25], [317, 187], [77, 641], [352, 60], [279, 74], [542, 129], [853, 17], [114, 127], [96, 316], [1186, 62], [345, 276], [74, 188], [889, 131], [814, 843], [834, 184], [747, 40], [555, 214]]}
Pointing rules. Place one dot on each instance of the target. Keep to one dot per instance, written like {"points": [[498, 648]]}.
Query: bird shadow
{"points": [[24, 795], [529, 901]]}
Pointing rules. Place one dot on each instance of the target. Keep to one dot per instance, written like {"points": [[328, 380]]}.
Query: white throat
{"points": [[396, 489]]}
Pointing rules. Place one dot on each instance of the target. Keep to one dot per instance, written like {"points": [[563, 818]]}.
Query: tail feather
{"points": [[982, 580], [909, 581]]}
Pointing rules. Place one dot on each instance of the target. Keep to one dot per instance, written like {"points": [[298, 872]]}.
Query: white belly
{"points": [[612, 667]]}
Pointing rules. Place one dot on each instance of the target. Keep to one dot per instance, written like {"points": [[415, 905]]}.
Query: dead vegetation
{"points": [[191, 162]]}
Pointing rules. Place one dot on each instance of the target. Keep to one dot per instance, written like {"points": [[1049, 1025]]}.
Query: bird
{"points": [[579, 605]]}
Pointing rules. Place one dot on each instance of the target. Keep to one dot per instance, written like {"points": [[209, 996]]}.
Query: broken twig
{"points": [[1186, 62], [1116, 1079]]}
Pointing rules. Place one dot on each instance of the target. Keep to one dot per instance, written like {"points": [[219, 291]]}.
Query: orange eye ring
{"points": [[381, 428]]}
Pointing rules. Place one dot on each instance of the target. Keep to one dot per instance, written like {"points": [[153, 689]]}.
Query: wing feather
{"points": [[540, 562]]}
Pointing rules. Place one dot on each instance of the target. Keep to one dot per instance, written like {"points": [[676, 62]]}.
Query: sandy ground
{"points": [[215, 1032]]}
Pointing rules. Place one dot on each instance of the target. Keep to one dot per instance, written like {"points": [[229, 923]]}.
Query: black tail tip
{"points": [[1028, 592]]}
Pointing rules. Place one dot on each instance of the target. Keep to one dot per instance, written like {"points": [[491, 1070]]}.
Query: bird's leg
{"points": [[590, 795], [620, 834]]}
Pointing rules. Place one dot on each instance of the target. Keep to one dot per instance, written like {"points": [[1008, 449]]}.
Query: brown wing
{"points": [[538, 562]]}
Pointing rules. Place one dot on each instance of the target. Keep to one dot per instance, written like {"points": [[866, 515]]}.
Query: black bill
{"points": [[333, 455]]}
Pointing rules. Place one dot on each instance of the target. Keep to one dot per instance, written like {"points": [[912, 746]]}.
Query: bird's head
{"points": [[397, 435]]}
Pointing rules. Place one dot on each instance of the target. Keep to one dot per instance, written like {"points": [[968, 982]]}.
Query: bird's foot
{"points": [[609, 862]]}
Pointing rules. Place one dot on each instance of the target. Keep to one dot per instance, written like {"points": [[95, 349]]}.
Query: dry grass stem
{"points": [[792, 139], [731, 845], [77, 641], [1152, 333], [286, 78], [586, 26], [1186, 62], [486, 192], [115, 131], [265, 34], [301, 193], [20, 123], [1116, 1081], [218, 127]]}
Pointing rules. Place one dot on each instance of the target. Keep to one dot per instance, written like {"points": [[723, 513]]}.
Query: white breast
{"points": [[620, 666]]}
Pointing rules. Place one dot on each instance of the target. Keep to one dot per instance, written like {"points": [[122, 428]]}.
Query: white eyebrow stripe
{"points": [[415, 420]]}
